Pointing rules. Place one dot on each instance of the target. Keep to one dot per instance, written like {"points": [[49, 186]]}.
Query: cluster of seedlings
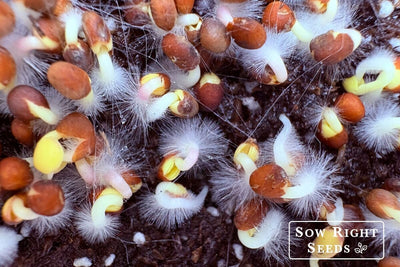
{"points": [[84, 118]]}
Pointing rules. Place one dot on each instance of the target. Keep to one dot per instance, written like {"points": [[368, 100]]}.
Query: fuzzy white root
{"points": [[166, 210]]}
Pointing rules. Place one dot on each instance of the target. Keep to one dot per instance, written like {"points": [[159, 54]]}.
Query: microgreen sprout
{"points": [[171, 205]]}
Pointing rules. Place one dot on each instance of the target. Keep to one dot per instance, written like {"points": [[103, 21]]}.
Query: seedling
{"points": [[269, 233], [47, 36], [189, 144], [171, 205], [330, 130], [334, 46], [93, 223], [73, 83], [152, 99], [379, 62], [107, 167], [100, 41], [280, 17], [266, 64], [50, 156], [26, 103]]}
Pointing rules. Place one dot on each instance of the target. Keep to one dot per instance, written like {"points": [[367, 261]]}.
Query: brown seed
{"points": [[46, 198], [331, 47], [22, 131], [8, 69], [213, 35], [137, 13], [269, 181], [180, 51], [80, 55], [39, 5], [18, 100], [247, 33], [250, 214], [378, 200], [277, 15], [184, 6], [97, 33], [209, 91], [336, 141], [164, 13], [51, 33], [350, 107], [70, 80], [186, 107], [7, 19], [77, 125], [15, 173], [389, 262]]}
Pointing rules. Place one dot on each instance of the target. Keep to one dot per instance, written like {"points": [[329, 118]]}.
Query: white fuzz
{"points": [[248, 9], [168, 212], [113, 87], [271, 235], [379, 130], [230, 187], [72, 20], [8, 245], [285, 149], [116, 158], [316, 183], [273, 52], [179, 79], [378, 61], [185, 136], [391, 234], [95, 232]]}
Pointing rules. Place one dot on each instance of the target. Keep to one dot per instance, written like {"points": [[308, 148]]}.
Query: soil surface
{"points": [[207, 240]]}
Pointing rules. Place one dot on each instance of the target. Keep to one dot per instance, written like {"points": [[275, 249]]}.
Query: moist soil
{"points": [[206, 240]]}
